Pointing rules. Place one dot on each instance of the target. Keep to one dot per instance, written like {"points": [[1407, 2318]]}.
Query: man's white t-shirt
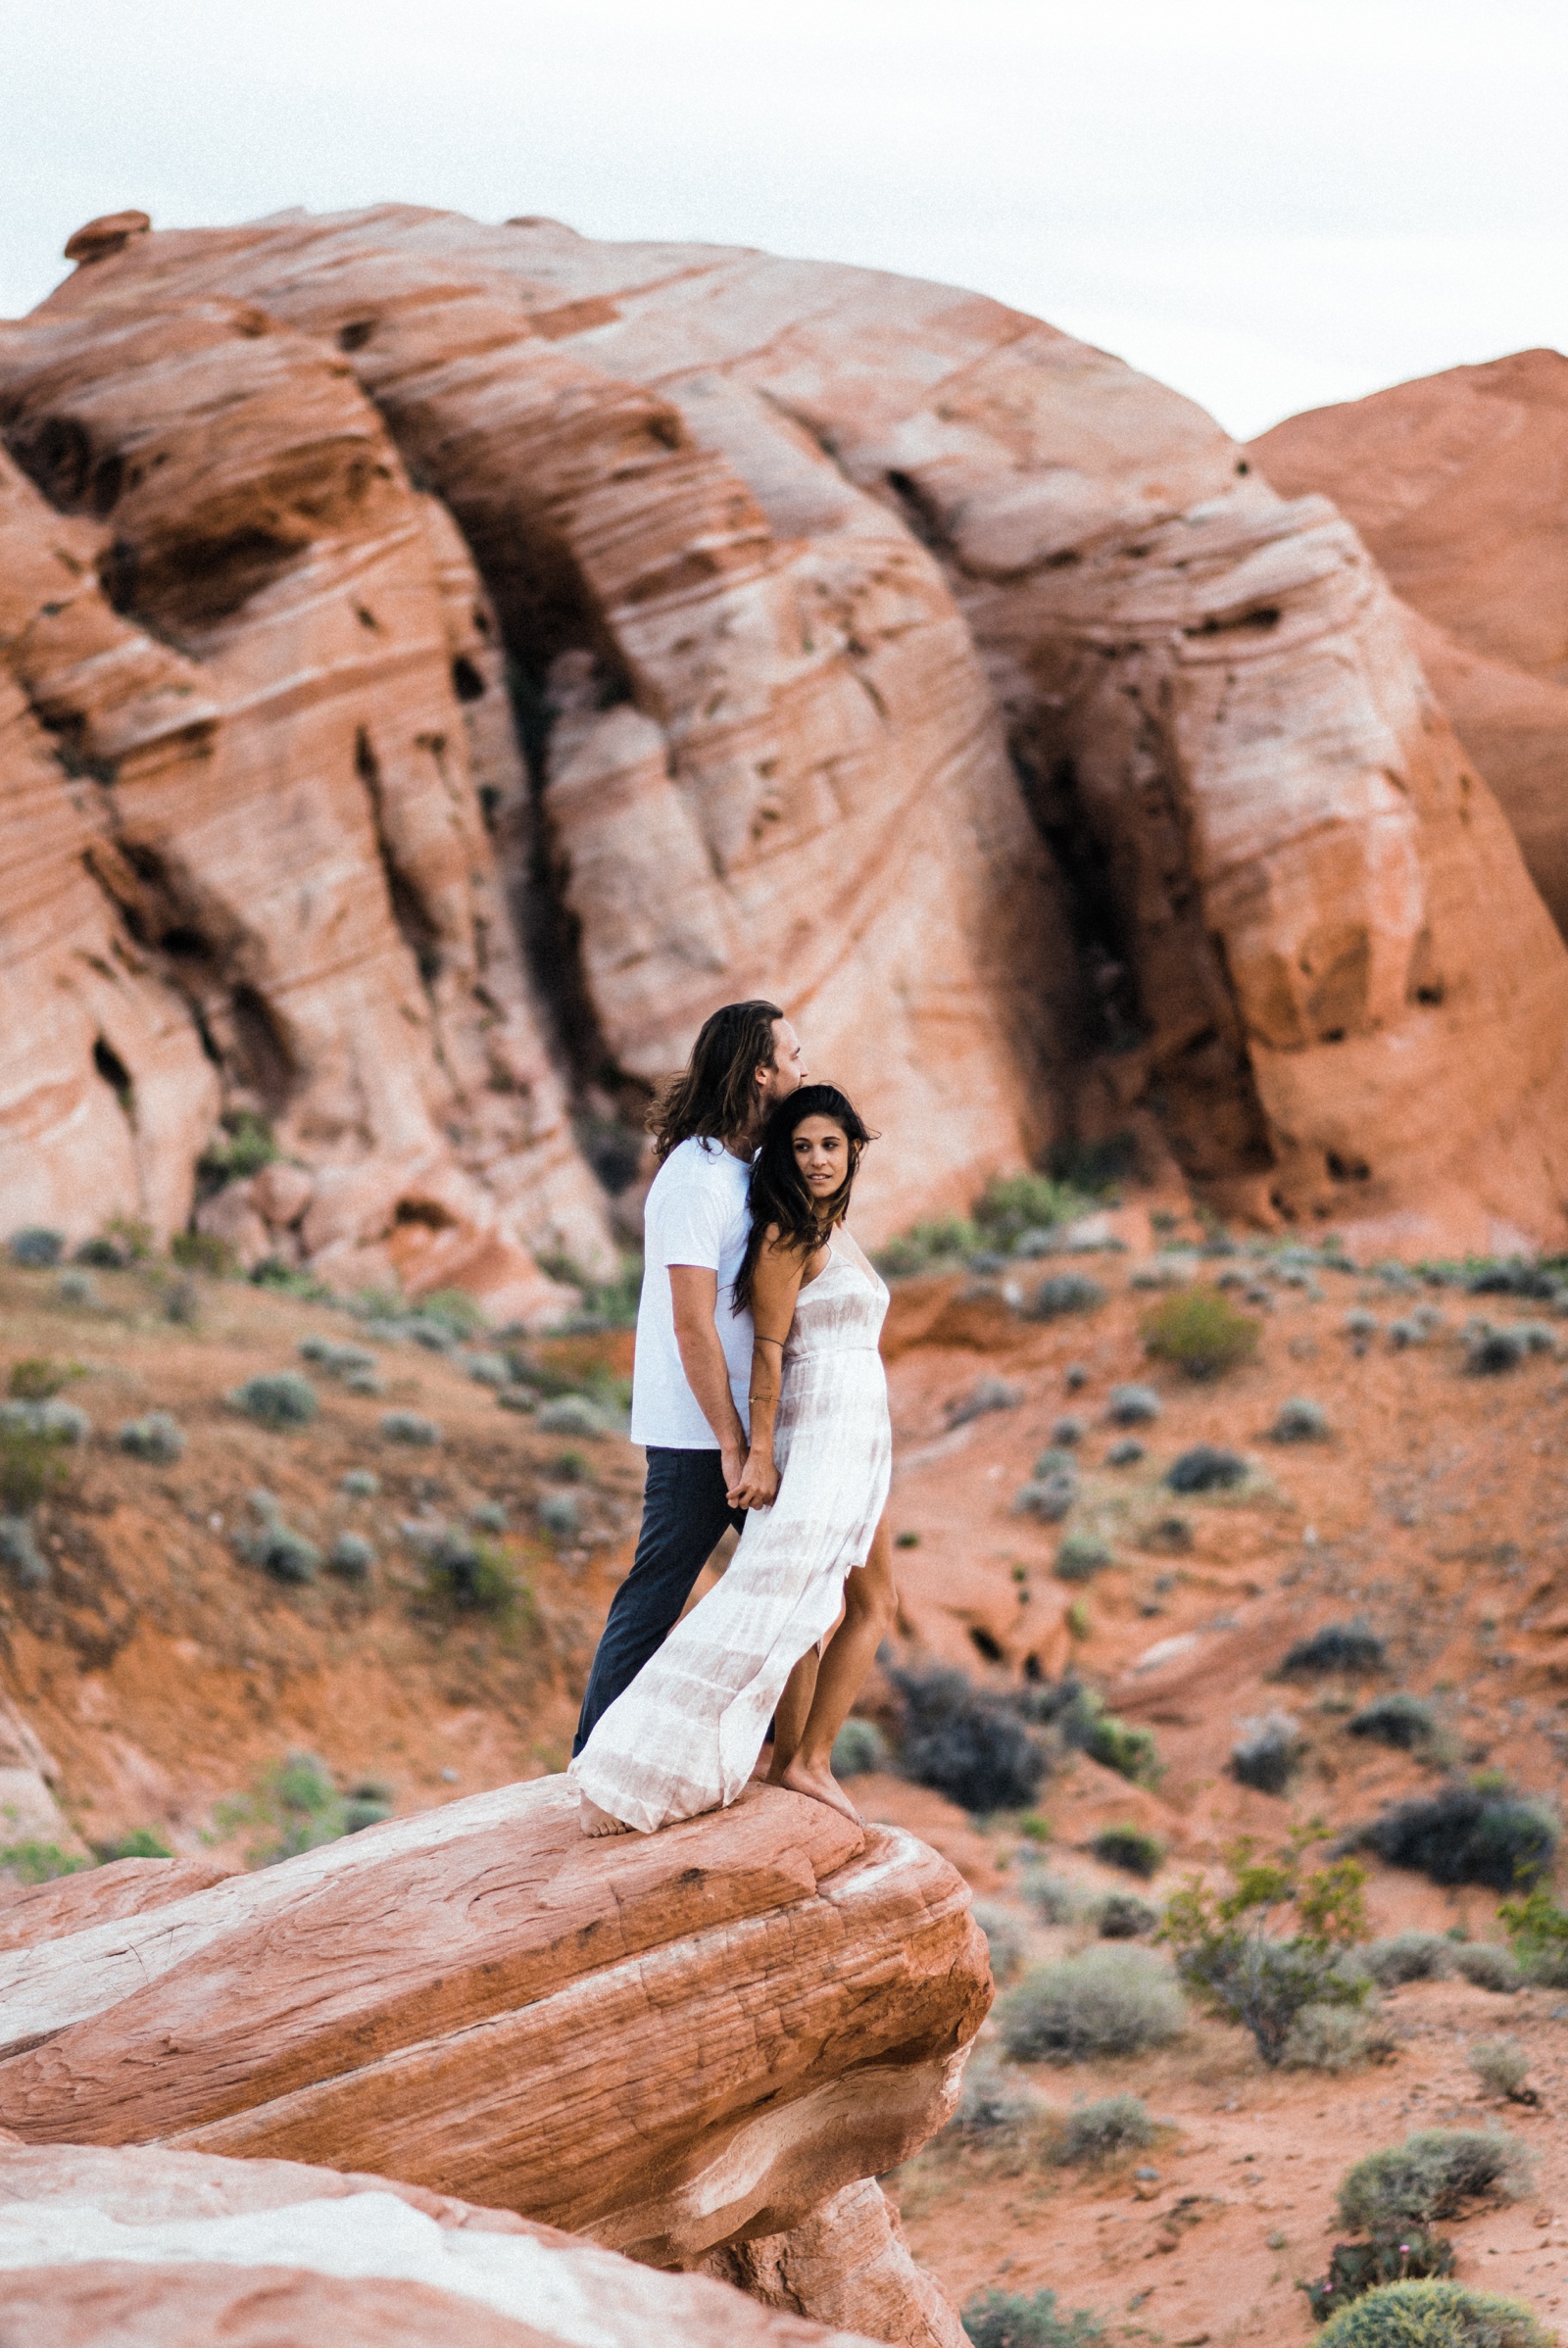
{"points": [[695, 1213]]}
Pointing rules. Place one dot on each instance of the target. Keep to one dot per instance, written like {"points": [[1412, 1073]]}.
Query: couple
{"points": [[758, 1392]]}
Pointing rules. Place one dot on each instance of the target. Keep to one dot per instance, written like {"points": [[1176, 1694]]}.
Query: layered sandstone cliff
{"points": [[876, 647], [1459, 484], [672, 2045]]}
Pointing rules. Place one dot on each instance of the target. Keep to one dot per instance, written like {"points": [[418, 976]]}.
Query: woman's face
{"points": [[822, 1155]]}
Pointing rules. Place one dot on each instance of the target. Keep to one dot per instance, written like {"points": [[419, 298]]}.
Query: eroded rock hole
{"points": [[984, 1645], [115, 1075], [1050, 793], [356, 334], [266, 1061], [1347, 1169], [412, 915], [466, 682]]}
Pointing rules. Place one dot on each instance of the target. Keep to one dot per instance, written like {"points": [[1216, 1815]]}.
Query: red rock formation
{"points": [[668, 2043], [776, 546], [1457, 483], [105, 2249]]}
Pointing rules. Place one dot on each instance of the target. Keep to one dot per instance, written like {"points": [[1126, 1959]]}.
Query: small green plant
{"points": [[294, 1806], [36, 1380], [1132, 1405], [1537, 1935], [20, 1551], [1230, 1947], [1434, 2173], [1009, 2320], [1503, 2067], [993, 2103], [241, 1148], [409, 1427], [38, 1862], [1080, 1557], [30, 1467], [1200, 1332], [1268, 1754], [1013, 1204], [475, 1577], [360, 1484], [201, 1251], [1399, 1719], [1114, 1743], [858, 1748], [1411, 1957], [1486, 1966], [1052, 1898], [1357, 2267], [1131, 1847], [1063, 1293], [142, 1843], [1205, 1467], [1107, 2000], [277, 1399], [455, 1309], [559, 1515], [351, 1558], [1122, 1915], [1352, 1647], [155, 1437], [1433, 2315], [1103, 2131], [1299, 1421]]}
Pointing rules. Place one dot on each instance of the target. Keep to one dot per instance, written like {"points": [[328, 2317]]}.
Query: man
{"points": [[692, 1370]]}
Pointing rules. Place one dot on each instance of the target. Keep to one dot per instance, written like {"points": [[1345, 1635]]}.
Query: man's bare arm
{"points": [[694, 1295]]}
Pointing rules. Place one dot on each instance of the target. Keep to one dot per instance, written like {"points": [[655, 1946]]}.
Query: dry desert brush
{"points": [[1009, 2320], [1433, 2315], [1275, 1944], [966, 1743], [1467, 1833], [1200, 1332], [1107, 2000]]}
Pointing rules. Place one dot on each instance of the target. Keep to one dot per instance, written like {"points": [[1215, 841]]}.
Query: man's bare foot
{"points": [[594, 1821], [822, 1786]]}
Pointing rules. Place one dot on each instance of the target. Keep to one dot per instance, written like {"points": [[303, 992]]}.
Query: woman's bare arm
{"points": [[774, 1288]]}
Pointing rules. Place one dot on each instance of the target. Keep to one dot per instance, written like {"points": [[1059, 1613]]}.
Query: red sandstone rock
{"points": [[847, 2263], [99, 1895], [156, 2249], [1457, 483], [666, 2042]]}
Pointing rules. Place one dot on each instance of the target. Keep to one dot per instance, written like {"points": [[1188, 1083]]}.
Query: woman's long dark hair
{"points": [[778, 1193], [713, 1092]]}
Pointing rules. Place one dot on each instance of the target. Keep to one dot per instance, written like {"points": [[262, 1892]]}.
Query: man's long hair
{"points": [[714, 1095], [780, 1197]]}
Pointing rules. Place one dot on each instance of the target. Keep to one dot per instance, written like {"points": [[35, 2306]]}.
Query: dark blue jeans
{"points": [[684, 1516]]}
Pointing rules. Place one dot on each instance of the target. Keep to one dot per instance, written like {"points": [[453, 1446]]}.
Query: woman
{"points": [[685, 1735]]}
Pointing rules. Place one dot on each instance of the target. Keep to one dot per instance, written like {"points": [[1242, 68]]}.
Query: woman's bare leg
{"points": [[871, 1602], [789, 1718]]}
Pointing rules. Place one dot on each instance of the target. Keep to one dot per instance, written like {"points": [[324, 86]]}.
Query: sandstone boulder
{"points": [[1458, 484], [805, 565], [156, 2249], [670, 2044]]}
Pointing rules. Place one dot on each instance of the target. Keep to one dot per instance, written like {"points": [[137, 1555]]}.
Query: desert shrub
{"points": [[1357, 2267], [277, 1398], [488, 1516], [1206, 1468], [35, 1380], [1052, 1898], [925, 1245], [1126, 1453], [1080, 1557], [1501, 2064], [1229, 1952], [993, 2101], [1433, 2315], [1009, 2320], [559, 1515], [242, 1146], [969, 1745], [1122, 1916], [293, 1807], [35, 1248], [1200, 1332], [858, 1748], [281, 1553], [351, 1556], [20, 1554], [1432, 2175], [1103, 2130], [337, 1360], [365, 1807], [142, 1843], [488, 1369], [1404, 1721], [1489, 1352], [38, 1862], [78, 1289], [1352, 1647], [1104, 2001], [1003, 1939], [1047, 1498], [984, 1396], [571, 1414], [1486, 1966], [1075, 1377], [155, 1437], [1409, 1957], [1013, 1205], [1299, 1421], [1131, 1847], [1064, 1293], [1410, 1332], [1538, 1935], [47, 1422], [1132, 1405], [102, 1254], [434, 1336], [408, 1427], [1327, 2039], [360, 1484], [1067, 1433], [1114, 1743], [1466, 1835], [473, 1577], [30, 1466], [201, 1251], [1267, 1753]]}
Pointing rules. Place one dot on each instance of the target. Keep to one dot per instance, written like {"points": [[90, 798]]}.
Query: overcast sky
{"points": [[1268, 203]]}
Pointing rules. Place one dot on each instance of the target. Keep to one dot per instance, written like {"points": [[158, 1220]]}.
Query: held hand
{"points": [[732, 1459], [759, 1482]]}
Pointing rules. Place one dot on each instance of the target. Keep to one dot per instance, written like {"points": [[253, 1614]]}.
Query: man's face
{"points": [[788, 1072]]}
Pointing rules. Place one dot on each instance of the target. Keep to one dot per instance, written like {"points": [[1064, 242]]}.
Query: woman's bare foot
{"points": [[822, 1786], [762, 1766], [594, 1821]]}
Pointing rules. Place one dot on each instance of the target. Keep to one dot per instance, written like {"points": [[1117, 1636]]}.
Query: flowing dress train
{"points": [[683, 1737]]}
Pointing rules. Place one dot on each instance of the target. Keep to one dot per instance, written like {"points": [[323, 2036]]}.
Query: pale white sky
{"points": [[1266, 202]]}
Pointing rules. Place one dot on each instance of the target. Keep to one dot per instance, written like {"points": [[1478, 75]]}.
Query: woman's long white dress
{"points": [[683, 1737]]}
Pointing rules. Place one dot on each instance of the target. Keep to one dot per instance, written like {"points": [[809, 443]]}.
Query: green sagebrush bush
{"points": [[1200, 1332], [277, 1398], [1399, 1719], [1434, 2173], [1230, 1952], [156, 1437], [1103, 2130], [858, 1748], [1132, 1847], [1433, 2315], [1537, 1935], [1009, 2320], [1107, 2000]]}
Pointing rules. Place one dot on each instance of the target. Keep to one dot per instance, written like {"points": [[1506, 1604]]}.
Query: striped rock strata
{"points": [[672, 2045]]}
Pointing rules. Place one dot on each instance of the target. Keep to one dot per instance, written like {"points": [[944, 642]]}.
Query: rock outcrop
{"points": [[1457, 483], [100, 2249], [672, 2045], [885, 649], [29, 1810]]}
